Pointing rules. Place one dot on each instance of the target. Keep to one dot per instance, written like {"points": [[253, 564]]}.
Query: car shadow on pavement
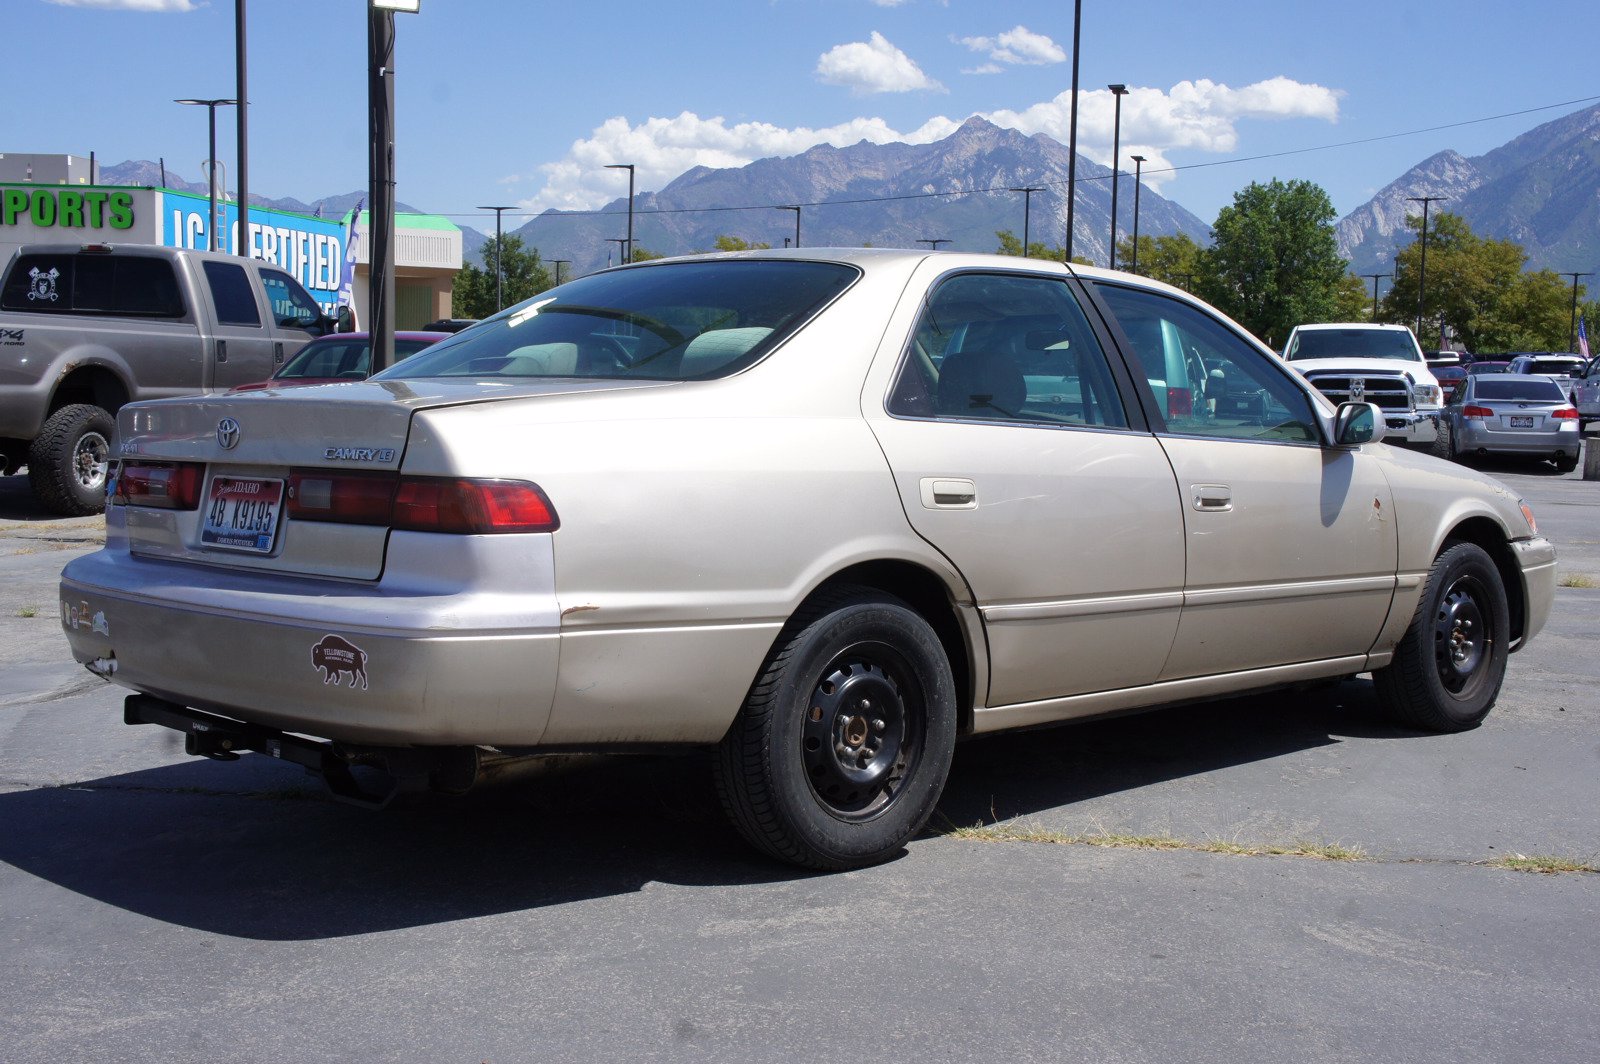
{"points": [[192, 843]]}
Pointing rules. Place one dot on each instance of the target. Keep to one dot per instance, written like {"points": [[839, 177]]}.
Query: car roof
{"points": [[1370, 326]]}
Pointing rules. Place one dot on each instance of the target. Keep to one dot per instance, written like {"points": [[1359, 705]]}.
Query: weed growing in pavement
{"points": [[1579, 580], [28, 611], [1542, 863], [1024, 833]]}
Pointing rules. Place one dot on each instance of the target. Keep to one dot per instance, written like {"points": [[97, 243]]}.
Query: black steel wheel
{"points": [[843, 745], [1448, 668]]}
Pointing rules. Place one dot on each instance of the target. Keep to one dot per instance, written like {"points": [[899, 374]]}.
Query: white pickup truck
{"points": [[1373, 363], [86, 328]]}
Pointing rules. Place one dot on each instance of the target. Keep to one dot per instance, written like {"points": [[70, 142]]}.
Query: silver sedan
{"points": [[1514, 413], [822, 512]]}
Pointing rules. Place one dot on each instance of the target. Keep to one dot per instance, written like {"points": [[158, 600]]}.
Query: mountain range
{"points": [[155, 175]]}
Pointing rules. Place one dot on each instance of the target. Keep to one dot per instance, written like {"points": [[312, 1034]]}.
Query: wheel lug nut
{"points": [[878, 724]]}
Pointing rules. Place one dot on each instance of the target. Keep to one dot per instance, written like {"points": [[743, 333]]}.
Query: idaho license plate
{"points": [[242, 514], [1522, 422]]}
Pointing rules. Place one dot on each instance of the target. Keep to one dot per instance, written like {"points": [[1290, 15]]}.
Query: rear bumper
{"points": [[457, 644], [1480, 436]]}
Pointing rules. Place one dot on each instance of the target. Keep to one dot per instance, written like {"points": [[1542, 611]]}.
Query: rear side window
{"points": [[119, 285], [231, 294]]}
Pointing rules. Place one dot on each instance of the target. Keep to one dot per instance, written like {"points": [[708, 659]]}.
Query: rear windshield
{"points": [[1553, 365], [1353, 343], [675, 321], [1534, 391], [129, 286]]}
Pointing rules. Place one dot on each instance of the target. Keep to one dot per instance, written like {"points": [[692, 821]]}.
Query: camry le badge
{"points": [[358, 454], [228, 433]]}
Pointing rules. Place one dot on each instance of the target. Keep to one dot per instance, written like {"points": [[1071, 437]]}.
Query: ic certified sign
{"points": [[228, 433]]}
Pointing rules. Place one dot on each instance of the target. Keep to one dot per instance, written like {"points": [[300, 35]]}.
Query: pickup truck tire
{"points": [[68, 460], [845, 739], [1447, 670]]}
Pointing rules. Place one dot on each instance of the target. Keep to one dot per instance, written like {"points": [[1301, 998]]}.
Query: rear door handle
{"points": [[1212, 498], [949, 493]]}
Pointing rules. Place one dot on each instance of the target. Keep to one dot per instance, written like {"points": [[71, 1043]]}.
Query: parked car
{"points": [[340, 357], [1381, 364], [1560, 368], [1449, 378], [88, 327], [450, 325], [1489, 365], [833, 509], [1514, 413], [1438, 360], [1586, 392]]}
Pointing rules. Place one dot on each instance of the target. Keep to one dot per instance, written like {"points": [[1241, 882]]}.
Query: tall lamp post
{"points": [[1422, 271], [242, 114], [627, 250], [1375, 277], [796, 223], [499, 256], [622, 245], [1117, 93], [211, 163], [933, 242], [1138, 169], [1572, 322], [1072, 133], [558, 263], [380, 175], [1027, 210]]}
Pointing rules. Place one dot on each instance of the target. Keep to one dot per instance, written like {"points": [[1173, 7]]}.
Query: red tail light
{"points": [[1180, 403], [164, 485], [1566, 413], [346, 498], [1477, 413], [439, 504], [420, 504]]}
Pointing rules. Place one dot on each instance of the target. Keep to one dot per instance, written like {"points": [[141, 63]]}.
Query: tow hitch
{"points": [[399, 769]]}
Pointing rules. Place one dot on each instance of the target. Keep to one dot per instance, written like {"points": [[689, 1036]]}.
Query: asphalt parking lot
{"points": [[1095, 893]]}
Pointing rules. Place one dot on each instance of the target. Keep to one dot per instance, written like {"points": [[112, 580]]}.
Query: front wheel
{"points": [[844, 742], [1448, 668]]}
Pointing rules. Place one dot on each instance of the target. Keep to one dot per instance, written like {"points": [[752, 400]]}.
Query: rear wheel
{"points": [[1566, 463], [1448, 668], [68, 460], [843, 745]]}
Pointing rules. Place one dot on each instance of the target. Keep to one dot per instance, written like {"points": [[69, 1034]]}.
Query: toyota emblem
{"points": [[228, 433]]}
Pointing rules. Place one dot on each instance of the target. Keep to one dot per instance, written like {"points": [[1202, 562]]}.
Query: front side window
{"points": [[675, 321], [1005, 347], [1205, 379], [292, 306]]}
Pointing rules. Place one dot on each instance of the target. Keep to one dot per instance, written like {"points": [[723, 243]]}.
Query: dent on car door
{"points": [[1291, 545], [1015, 455]]}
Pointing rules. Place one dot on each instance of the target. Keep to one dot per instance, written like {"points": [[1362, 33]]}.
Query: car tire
{"points": [[1566, 463], [67, 461], [1448, 668], [1443, 445], [843, 744]]}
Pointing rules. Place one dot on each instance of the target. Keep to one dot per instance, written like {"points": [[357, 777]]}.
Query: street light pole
{"points": [[499, 256], [558, 263], [933, 243], [211, 163], [1027, 210], [1572, 322], [796, 223], [1117, 93], [1422, 271], [1375, 277], [1138, 169], [627, 255], [242, 114], [622, 244], [380, 175], [1072, 133]]}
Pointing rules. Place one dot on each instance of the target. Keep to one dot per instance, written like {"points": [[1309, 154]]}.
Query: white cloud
{"points": [[987, 68], [1192, 115], [888, 3], [1018, 45], [871, 66], [133, 5]]}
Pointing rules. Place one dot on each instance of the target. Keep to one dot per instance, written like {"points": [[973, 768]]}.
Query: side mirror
{"points": [[1357, 423], [345, 319]]}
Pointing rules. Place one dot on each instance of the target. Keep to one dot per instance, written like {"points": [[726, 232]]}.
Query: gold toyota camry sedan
{"points": [[825, 511]]}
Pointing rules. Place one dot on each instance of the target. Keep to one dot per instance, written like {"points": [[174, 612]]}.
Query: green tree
{"points": [[734, 243], [472, 294], [1010, 244], [1273, 263], [1352, 301], [1176, 260], [1478, 289], [644, 255]]}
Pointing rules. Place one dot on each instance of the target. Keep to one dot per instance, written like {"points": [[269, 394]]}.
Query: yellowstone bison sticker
{"points": [[335, 657]]}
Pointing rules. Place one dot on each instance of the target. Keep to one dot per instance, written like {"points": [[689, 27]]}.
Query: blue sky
{"points": [[523, 101]]}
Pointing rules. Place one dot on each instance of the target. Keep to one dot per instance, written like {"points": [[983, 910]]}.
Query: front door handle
{"points": [[222, 350], [949, 493], [277, 353], [1212, 498]]}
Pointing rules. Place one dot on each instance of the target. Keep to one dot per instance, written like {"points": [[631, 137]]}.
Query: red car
{"points": [[340, 357]]}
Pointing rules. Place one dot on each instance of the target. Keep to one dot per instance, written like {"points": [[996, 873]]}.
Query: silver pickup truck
{"points": [[86, 328]]}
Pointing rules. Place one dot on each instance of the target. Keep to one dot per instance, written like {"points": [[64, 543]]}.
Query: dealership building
{"points": [[54, 199]]}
